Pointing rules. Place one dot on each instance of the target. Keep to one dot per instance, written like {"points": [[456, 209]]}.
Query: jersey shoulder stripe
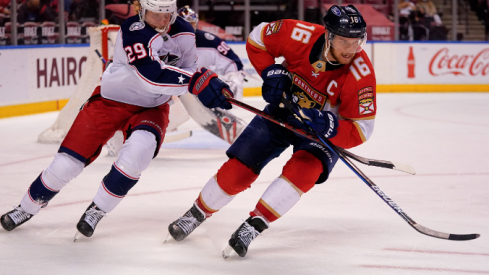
{"points": [[206, 40], [133, 31], [181, 27]]}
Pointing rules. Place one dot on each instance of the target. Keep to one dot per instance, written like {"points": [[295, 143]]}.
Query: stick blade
{"points": [[173, 137], [406, 168], [446, 236], [464, 237]]}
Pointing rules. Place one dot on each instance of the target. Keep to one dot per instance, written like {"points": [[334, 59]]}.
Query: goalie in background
{"points": [[330, 78], [215, 54], [133, 98]]}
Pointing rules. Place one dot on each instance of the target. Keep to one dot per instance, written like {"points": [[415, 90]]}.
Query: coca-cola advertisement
{"points": [[437, 63]]}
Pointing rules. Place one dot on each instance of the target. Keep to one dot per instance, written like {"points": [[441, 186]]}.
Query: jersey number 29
{"points": [[137, 49]]}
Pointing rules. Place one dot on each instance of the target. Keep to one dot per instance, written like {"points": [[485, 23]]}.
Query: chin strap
{"points": [[328, 42]]}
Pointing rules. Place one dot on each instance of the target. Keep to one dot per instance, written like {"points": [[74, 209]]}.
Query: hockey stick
{"points": [[376, 189], [371, 162], [177, 137], [100, 56]]}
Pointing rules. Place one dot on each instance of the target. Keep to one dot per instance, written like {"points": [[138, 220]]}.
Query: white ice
{"points": [[339, 227]]}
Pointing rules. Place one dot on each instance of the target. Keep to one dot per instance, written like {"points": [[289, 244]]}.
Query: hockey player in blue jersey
{"points": [[215, 54], [154, 59]]}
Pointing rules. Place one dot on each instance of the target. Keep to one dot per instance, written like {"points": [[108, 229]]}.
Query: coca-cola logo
{"points": [[444, 63]]}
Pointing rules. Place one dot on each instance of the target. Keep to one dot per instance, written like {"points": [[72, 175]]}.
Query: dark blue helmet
{"points": [[345, 21]]}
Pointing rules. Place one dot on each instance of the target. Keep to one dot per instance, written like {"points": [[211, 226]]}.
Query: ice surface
{"points": [[339, 227]]}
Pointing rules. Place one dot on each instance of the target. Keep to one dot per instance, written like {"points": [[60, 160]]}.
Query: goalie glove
{"points": [[235, 81], [210, 90], [324, 121]]}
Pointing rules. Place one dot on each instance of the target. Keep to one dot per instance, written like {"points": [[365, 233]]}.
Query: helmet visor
{"points": [[347, 45]]}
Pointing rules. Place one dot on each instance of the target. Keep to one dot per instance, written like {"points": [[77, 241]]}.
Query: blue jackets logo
{"points": [[136, 26]]}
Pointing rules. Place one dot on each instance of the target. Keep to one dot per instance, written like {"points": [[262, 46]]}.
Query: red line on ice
{"points": [[437, 252], [434, 269]]}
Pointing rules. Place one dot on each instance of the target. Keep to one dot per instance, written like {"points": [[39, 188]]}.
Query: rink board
{"points": [[39, 79]]}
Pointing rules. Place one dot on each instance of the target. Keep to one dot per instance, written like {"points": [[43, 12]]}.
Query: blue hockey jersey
{"points": [[148, 68], [215, 54]]}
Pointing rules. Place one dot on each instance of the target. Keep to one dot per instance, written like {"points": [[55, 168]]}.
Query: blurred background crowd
{"points": [[39, 21]]}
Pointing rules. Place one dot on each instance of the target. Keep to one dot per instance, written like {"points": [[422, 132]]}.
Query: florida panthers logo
{"points": [[302, 100], [170, 59], [305, 95]]}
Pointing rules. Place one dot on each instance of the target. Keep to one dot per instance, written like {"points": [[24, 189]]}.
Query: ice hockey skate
{"points": [[184, 225], [88, 222], [244, 235], [14, 218]]}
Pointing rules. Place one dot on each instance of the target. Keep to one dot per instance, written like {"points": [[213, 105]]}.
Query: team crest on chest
{"points": [[306, 96], [170, 59], [273, 27], [136, 26], [366, 101]]}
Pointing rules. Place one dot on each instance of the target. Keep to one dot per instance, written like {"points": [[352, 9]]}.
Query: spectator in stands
{"points": [[405, 8], [4, 7], [33, 11], [84, 10], [427, 7], [419, 25]]}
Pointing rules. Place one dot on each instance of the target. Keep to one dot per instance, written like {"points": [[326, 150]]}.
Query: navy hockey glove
{"points": [[276, 84], [324, 121], [210, 90]]}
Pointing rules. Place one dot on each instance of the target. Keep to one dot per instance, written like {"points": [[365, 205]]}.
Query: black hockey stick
{"points": [[375, 188], [371, 162]]}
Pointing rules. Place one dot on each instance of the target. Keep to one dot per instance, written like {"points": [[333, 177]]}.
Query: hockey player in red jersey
{"points": [[133, 97], [327, 74]]}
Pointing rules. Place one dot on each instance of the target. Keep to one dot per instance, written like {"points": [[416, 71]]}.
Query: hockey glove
{"points": [[324, 121], [276, 84], [210, 90]]}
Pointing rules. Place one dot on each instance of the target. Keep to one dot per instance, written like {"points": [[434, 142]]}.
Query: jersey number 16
{"points": [[302, 33]]}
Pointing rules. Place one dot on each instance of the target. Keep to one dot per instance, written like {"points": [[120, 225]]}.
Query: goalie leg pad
{"points": [[62, 170], [234, 177], [228, 127]]}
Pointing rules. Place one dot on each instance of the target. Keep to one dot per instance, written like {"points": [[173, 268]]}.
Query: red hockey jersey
{"points": [[346, 90]]}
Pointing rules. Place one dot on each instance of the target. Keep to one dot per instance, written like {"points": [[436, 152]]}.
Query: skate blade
{"points": [[77, 236], [227, 252], [168, 238]]}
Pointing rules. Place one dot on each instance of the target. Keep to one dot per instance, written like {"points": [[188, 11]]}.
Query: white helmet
{"points": [[159, 6]]}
